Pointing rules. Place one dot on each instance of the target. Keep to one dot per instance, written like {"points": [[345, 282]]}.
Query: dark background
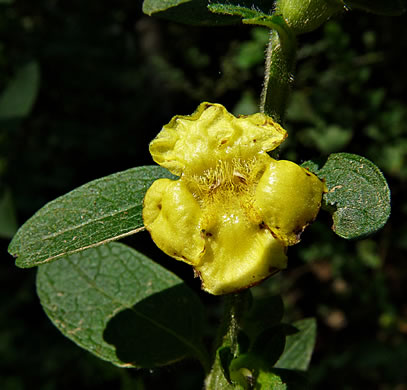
{"points": [[111, 77]]}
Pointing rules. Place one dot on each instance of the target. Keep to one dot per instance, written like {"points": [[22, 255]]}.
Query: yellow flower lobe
{"points": [[288, 197], [173, 217]]}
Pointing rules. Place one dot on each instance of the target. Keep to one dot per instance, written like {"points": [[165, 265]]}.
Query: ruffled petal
{"points": [[195, 143], [288, 197], [173, 217]]}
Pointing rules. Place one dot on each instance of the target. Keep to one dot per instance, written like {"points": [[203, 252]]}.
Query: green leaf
{"points": [[205, 12], [236, 10], [185, 11], [18, 98], [103, 210], [122, 307], [219, 377], [152, 6], [299, 346], [359, 194], [281, 379], [379, 7], [251, 15], [225, 356], [268, 380], [8, 221]]}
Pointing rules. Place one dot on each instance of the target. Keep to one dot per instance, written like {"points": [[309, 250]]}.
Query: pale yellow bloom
{"points": [[234, 209]]}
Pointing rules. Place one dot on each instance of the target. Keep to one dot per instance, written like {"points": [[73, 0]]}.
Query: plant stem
{"points": [[235, 307], [279, 73]]}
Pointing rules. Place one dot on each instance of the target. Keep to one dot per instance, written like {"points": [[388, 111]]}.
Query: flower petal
{"points": [[195, 143], [173, 217], [288, 197], [239, 254]]}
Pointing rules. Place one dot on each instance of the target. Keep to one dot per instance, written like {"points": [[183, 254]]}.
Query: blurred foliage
{"points": [[111, 77]]}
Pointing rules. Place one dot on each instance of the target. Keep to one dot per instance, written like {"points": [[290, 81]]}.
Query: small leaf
{"points": [[359, 193], [225, 357], [281, 379], [219, 376], [122, 307], [299, 346], [379, 7], [268, 380], [251, 15], [18, 98], [103, 210], [236, 10]]}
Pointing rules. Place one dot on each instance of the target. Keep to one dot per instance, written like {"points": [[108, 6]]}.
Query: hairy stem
{"points": [[279, 73]]}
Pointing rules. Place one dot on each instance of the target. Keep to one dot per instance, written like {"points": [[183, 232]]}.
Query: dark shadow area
{"points": [[161, 329]]}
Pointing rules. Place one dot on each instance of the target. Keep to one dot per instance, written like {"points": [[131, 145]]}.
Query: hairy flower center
{"points": [[226, 193], [227, 180]]}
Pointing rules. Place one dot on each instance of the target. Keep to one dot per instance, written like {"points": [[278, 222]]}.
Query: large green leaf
{"points": [[358, 194], [299, 346], [18, 98], [103, 210], [122, 307]]}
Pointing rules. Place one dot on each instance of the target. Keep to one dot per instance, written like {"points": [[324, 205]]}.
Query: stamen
{"points": [[230, 178]]}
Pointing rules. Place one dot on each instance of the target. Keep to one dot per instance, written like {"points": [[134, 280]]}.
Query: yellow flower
{"points": [[234, 209]]}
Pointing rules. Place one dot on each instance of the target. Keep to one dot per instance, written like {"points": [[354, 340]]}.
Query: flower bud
{"points": [[306, 15]]}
